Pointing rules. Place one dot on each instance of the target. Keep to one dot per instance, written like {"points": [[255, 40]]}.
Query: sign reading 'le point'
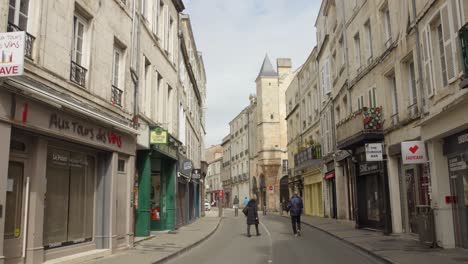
{"points": [[413, 152], [12, 53]]}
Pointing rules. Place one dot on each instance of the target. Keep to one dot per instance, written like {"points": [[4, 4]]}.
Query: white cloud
{"points": [[234, 36]]}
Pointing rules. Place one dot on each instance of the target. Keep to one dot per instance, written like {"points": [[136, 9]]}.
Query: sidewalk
{"points": [[400, 249], [165, 246]]}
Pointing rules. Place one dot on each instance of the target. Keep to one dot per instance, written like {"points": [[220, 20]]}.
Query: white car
{"points": [[207, 206]]}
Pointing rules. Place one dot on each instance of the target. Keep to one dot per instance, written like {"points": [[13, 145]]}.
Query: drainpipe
{"points": [[418, 52], [135, 72], [248, 147]]}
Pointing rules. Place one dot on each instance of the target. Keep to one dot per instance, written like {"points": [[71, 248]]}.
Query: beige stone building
{"points": [[304, 149], [239, 145], [213, 180], [271, 138], [389, 72], [226, 178], [99, 76]]}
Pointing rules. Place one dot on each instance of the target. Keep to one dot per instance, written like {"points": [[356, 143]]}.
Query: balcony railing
{"points": [[78, 74], [116, 96], [366, 123], [28, 42], [309, 157]]}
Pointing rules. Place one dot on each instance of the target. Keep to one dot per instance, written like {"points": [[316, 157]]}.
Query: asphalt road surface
{"points": [[276, 244]]}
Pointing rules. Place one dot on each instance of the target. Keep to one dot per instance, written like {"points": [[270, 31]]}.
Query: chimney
{"points": [[284, 66]]}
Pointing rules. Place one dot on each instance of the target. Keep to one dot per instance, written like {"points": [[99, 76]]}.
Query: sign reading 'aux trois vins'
{"points": [[12, 53]]}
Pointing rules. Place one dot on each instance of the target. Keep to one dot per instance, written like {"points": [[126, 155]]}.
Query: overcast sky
{"points": [[234, 36]]}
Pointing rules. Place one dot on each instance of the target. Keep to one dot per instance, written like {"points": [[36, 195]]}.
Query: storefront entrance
{"points": [[284, 191], [14, 211], [456, 150], [69, 199], [370, 201], [459, 197]]}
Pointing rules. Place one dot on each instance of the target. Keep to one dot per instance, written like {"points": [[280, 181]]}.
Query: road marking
{"points": [[271, 241]]}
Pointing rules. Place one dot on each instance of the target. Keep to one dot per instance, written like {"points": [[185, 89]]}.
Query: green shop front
{"points": [[155, 186]]}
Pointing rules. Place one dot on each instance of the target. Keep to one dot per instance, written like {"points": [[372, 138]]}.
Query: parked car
{"points": [[207, 206]]}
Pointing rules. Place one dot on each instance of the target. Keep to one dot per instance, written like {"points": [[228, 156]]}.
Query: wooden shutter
{"points": [[456, 22], [447, 36], [427, 61]]}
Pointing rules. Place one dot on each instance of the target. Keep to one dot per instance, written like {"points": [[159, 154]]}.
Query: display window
{"points": [[69, 198]]}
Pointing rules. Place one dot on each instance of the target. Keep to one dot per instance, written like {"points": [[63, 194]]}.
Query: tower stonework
{"points": [[271, 130]]}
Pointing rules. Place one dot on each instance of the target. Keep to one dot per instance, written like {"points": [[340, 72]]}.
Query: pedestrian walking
{"points": [[252, 216], [236, 206], [295, 206], [246, 201]]}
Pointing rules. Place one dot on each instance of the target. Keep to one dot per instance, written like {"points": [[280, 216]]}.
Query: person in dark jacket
{"points": [[236, 206], [295, 206], [252, 216]]}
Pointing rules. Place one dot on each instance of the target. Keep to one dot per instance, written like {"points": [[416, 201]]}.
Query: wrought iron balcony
{"points": [[116, 96], [363, 125], [78, 74], [28, 42], [308, 157]]}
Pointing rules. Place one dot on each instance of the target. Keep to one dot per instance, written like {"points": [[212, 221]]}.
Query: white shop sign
{"points": [[12, 53], [374, 152], [413, 152]]}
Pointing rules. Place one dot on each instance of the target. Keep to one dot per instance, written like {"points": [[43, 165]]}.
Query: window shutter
{"points": [[456, 19], [427, 62], [447, 34], [326, 70]]}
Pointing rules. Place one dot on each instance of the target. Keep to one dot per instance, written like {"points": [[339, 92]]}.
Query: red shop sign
{"points": [[329, 175]]}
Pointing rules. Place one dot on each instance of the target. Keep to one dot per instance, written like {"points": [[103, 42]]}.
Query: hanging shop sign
{"points": [[12, 53], [196, 174], [158, 136], [329, 175], [374, 152], [185, 167], [413, 152]]}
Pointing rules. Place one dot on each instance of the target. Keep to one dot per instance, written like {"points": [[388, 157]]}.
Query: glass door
{"points": [[14, 210]]}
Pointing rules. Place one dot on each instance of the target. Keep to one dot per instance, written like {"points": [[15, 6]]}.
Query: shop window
{"points": [[69, 198], [14, 200], [121, 165]]}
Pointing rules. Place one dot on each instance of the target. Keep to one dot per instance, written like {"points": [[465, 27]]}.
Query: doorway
{"points": [[14, 210], [459, 192], [370, 202], [284, 192]]}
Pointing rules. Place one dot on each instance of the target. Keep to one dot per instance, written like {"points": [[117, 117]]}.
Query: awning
{"points": [[329, 175]]}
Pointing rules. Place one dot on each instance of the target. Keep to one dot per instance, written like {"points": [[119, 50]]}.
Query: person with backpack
{"points": [[295, 206], [251, 212]]}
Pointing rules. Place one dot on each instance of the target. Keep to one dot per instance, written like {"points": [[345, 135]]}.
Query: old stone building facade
{"points": [[82, 115], [389, 72]]}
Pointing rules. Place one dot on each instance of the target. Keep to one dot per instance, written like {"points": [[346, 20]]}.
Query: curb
{"points": [[382, 258], [183, 250]]}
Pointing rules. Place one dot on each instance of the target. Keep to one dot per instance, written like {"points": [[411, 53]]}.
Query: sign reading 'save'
{"points": [[12, 53], [413, 152]]}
